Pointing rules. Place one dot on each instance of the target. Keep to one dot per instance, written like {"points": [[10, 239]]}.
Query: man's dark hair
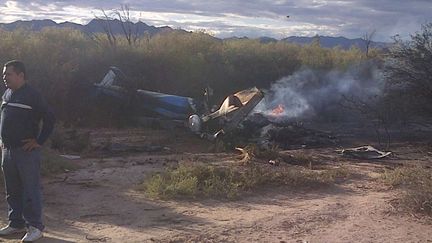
{"points": [[18, 66]]}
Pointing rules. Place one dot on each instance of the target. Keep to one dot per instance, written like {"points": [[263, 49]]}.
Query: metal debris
{"points": [[246, 156], [364, 152]]}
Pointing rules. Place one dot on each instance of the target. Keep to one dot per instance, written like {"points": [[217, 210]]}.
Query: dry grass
{"points": [[417, 185]]}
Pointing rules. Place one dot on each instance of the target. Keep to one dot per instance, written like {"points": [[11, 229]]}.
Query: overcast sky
{"points": [[252, 18]]}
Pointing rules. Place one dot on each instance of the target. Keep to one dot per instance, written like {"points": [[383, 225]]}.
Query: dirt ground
{"points": [[101, 202]]}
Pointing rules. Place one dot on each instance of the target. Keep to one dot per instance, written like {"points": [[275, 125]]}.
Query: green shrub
{"points": [[209, 181], [53, 164]]}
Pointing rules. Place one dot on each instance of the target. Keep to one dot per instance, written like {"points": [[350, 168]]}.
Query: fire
{"points": [[278, 110]]}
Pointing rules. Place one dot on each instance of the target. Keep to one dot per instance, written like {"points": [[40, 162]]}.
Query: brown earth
{"points": [[101, 202]]}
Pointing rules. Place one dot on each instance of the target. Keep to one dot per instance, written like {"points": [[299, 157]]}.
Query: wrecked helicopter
{"points": [[202, 121]]}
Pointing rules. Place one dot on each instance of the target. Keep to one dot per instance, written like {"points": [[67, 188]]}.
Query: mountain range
{"points": [[140, 28]]}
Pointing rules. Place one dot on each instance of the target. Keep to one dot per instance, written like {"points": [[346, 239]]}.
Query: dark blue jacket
{"points": [[21, 112]]}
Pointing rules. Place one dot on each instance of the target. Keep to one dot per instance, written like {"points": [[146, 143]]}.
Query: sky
{"points": [[252, 18]]}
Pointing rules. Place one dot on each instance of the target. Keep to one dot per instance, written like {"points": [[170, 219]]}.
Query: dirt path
{"points": [[101, 203]]}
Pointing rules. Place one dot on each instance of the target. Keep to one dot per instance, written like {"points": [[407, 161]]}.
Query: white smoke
{"points": [[308, 93]]}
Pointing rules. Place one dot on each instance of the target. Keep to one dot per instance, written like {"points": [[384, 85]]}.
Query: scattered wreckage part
{"points": [[219, 133], [249, 99], [111, 91], [195, 126], [244, 100], [230, 104], [233, 110], [195, 123], [152, 103], [274, 162], [149, 102], [245, 155], [212, 137], [364, 152], [166, 105], [113, 76]]}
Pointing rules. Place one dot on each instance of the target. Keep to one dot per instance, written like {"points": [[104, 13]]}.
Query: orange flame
{"points": [[278, 110]]}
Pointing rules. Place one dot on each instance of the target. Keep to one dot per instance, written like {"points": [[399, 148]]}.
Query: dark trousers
{"points": [[21, 171]]}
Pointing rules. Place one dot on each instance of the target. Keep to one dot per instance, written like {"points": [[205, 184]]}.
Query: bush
{"points": [[409, 71], [53, 164], [191, 181], [64, 64], [70, 140], [209, 181]]}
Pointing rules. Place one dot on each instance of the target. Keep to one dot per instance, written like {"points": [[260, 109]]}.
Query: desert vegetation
{"points": [[65, 63], [416, 183], [386, 87], [229, 182]]}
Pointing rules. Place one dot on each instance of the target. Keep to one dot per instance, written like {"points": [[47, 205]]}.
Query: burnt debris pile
{"points": [[267, 133]]}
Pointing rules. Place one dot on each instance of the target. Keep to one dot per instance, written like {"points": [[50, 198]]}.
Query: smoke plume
{"points": [[311, 93]]}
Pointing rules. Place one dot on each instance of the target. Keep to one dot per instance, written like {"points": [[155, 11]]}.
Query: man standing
{"points": [[22, 110]]}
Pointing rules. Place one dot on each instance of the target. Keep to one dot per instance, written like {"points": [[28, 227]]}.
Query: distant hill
{"points": [[330, 42], [325, 41], [140, 28], [94, 26]]}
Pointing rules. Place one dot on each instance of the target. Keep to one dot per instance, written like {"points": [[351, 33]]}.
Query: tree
{"points": [[107, 28], [409, 66], [367, 38], [129, 29]]}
